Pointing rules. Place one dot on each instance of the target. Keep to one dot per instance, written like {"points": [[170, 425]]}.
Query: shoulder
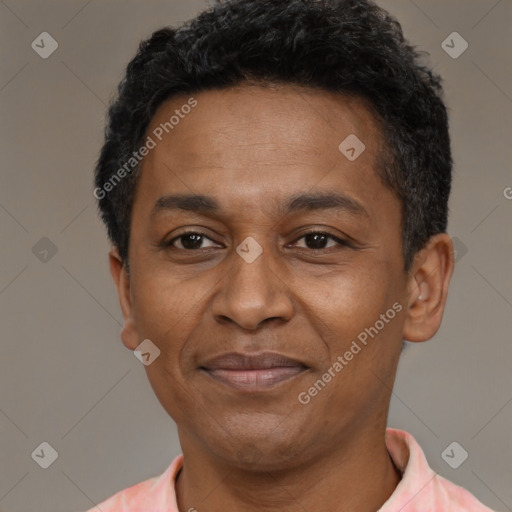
{"points": [[126, 499], [155, 494], [422, 489], [450, 496]]}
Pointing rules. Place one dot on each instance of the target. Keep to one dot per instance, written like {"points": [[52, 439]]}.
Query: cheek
{"points": [[344, 303], [166, 311], [163, 306], [348, 321]]}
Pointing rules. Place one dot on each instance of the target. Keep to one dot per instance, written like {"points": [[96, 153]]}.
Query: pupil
{"points": [[318, 241], [196, 241]]}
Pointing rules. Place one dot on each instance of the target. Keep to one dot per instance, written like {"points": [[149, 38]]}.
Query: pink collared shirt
{"points": [[420, 490]]}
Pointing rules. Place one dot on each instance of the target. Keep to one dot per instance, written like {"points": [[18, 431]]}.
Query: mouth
{"points": [[253, 372]]}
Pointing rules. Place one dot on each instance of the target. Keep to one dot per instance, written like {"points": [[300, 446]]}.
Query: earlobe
{"points": [[129, 334], [428, 288]]}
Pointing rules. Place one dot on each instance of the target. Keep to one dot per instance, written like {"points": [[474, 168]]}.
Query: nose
{"points": [[252, 293]]}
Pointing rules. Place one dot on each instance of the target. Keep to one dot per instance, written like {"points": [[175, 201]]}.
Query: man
{"points": [[274, 181]]}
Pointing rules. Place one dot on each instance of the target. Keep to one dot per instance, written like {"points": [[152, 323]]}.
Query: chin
{"points": [[257, 450]]}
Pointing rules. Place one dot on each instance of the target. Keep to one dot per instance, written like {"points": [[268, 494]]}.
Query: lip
{"points": [[253, 372]]}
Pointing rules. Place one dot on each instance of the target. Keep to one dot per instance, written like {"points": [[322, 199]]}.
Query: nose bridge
{"points": [[251, 270], [251, 292]]}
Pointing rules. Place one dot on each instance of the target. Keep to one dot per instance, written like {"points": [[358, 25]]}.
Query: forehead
{"points": [[254, 142], [311, 121]]}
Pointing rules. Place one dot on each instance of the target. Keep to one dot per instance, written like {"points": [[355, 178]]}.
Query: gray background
{"points": [[65, 376]]}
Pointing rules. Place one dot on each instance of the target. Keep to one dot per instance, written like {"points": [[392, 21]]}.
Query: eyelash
{"points": [[339, 241]]}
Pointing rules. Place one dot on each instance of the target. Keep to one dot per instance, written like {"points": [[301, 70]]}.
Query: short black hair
{"points": [[352, 47]]}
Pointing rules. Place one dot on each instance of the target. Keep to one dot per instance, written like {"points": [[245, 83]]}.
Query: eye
{"points": [[191, 240], [319, 240], [313, 240]]}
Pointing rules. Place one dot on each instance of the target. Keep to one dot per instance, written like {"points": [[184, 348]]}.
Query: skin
{"points": [[251, 148]]}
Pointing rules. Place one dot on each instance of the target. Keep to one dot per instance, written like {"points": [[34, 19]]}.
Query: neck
{"points": [[358, 476]]}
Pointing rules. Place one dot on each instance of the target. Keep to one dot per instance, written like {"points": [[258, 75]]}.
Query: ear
{"points": [[428, 284], [129, 334]]}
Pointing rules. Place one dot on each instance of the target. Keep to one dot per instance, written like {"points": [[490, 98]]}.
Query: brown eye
{"points": [[319, 240], [191, 240]]}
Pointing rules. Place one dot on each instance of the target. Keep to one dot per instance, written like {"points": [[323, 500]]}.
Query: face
{"points": [[259, 254]]}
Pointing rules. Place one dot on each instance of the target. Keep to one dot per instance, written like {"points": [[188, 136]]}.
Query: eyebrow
{"points": [[298, 203]]}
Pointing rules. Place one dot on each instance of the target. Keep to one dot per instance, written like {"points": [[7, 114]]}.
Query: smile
{"points": [[253, 373]]}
